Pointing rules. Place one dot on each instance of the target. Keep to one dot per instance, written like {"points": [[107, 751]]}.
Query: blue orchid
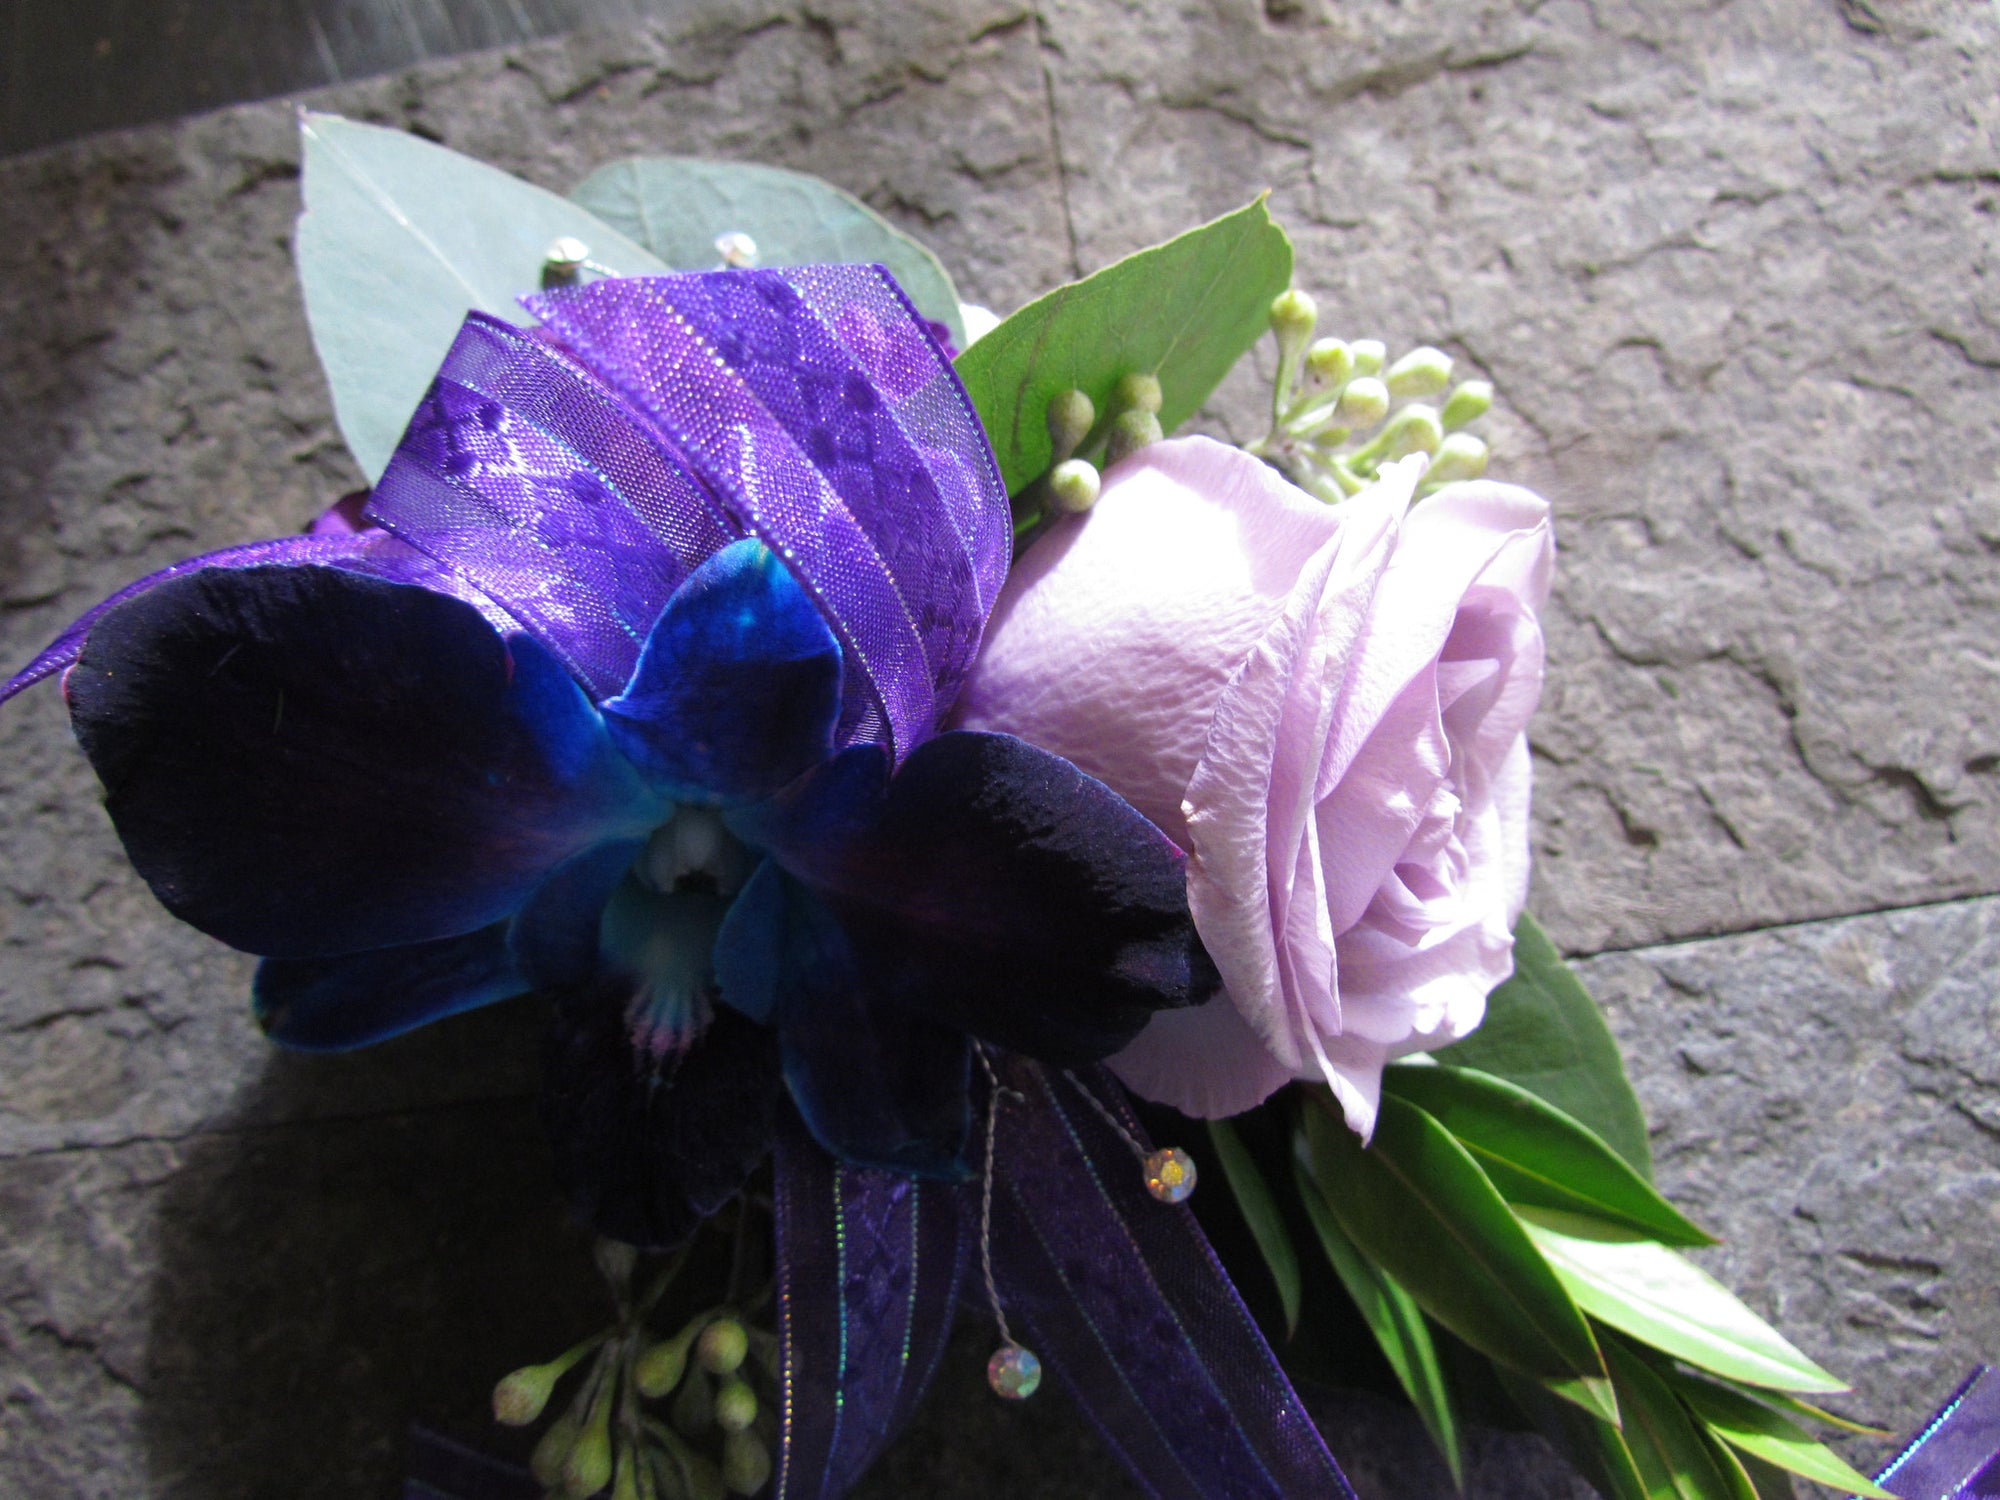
{"points": [[736, 883]]}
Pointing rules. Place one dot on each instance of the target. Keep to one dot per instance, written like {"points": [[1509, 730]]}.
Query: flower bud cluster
{"points": [[716, 1439], [1340, 409], [1080, 441]]}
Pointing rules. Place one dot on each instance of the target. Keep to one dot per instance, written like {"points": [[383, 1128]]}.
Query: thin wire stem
{"points": [[993, 1093], [1105, 1113]]}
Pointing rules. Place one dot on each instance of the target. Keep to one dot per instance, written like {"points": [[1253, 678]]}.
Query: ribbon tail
{"points": [[441, 1469], [1121, 1297], [1956, 1454], [869, 1265]]}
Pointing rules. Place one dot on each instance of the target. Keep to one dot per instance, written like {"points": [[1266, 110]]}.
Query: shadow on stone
{"points": [[322, 1284]]}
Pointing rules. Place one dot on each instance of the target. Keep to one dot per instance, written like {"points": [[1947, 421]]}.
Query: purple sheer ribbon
{"points": [[869, 1266], [1955, 1455], [1122, 1298], [441, 1469]]}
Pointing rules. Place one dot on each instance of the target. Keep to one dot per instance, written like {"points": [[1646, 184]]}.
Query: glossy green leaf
{"points": [[1543, 1031], [1730, 1462], [1768, 1480], [1674, 1461], [399, 240], [676, 206], [1260, 1212], [1661, 1298], [1777, 1439], [1812, 1413], [1396, 1322], [1184, 311], [1417, 1204], [1537, 1154]]}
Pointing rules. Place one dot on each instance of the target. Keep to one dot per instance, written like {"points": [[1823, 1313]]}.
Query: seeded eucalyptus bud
{"points": [[1137, 392], [1132, 431], [1460, 456], [519, 1399], [705, 1481], [660, 1368], [552, 1451], [1368, 355], [735, 1406], [1071, 415], [615, 1259], [746, 1463], [722, 1346], [626, 1485], [1364, 403], [1293, 314], [1328, 363], [1073, 487], [1422, 372], [588, 1467], [1414, 429], [1467, 404]]}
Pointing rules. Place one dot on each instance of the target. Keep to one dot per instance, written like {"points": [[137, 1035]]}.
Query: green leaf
{"points": [[1393, 1317], [1418, 1205], [1260, 1212], [1814, 1413], [676, 206], [1766, 1434], [1654, 1294], [1674, 1461], [1730, 1462], [398, 241], [1184, 311], [1543, 1031], [1769, 1481], [1537, 1154]]}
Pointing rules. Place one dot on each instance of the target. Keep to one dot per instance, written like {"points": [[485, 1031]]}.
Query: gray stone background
{"points": [[1732, 269]]}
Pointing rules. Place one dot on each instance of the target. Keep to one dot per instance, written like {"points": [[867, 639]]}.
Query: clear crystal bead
{"points": [[1013, 1372], [1170, 1174]]}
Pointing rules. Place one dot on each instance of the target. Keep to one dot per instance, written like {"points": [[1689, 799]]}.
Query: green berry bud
{"points": [[1460, 456], [519, 1399], [1137, 392], [1467, 404], [1364, 403], [1073, 487], [1328, 363], [1368, 355], [722, 1347], [615, 1259], [1422, 372], [735, 1406], [552, 1451], [588, 1467], [1132, 431], [1414, 429], [705, 1481], [1293, 314], [660, 1368], [746, 1463], [626, 1485], [1071, 415]]}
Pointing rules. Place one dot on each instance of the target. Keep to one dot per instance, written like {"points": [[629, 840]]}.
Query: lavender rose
{"points": [[1327, 707]]}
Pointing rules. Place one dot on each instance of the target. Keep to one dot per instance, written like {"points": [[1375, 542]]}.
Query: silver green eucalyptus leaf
{"points": [[400, 238], [676, 206]]}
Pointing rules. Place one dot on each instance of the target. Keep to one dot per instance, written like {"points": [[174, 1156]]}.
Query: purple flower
{"points": [[626, 692]]}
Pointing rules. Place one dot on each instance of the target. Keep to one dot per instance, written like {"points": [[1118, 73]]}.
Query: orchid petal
{"points": [[738, 688], [332, 1004], [305, 762]]}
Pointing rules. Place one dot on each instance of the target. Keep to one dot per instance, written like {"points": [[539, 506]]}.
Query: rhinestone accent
{"points": [[1170, 1174], [1013, 1372]]}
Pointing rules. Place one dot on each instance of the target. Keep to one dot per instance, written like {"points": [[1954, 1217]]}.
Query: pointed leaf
{"points": [[1768, 1480], [1398, 1324], [1766, 1434], [399, 240], [1657, 1296], [676, 206], [1597, 1448], [1537, 1154], [1730, 1462], [1813, 1413], [1673, 1460], [1185, 311], [1543, 1031], [1417, 1204], [1260, 1212]]}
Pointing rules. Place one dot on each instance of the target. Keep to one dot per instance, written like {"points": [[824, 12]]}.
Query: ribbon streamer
{"points": [[1956, 1454]]}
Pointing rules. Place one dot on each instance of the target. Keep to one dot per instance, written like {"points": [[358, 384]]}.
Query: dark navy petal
{"points": [[306, 762], [331, 1004], [554, 937], [995, 887], [645, 1147], [738, 688], [878, 1087]]}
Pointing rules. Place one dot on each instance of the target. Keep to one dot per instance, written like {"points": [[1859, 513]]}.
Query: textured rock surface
{"points": [[1731, 269]]}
